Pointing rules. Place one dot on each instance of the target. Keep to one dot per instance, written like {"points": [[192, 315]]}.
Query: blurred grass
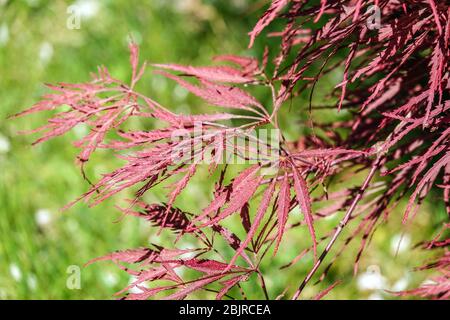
{"points": [[37, 241]]}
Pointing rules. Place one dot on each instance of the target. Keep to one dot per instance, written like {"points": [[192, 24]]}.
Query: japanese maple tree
{"points": [[394, 89]]}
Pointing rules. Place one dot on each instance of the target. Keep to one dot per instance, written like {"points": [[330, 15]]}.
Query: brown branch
{"points": [[341, 226]]}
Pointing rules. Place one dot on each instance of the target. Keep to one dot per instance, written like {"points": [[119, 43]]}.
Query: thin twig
{"points": [[341, 226], [263, 285], [381, 149]]}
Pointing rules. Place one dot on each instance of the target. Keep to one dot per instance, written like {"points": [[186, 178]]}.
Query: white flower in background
{"points": [[87, 8], [240, 4], [180, 272], [45, 52], [183, 109], [32, 282], [5, 146], [400, 243], [110, 279], [3, 2], [375, 296], [372, 279], [136, 289], [153, 238], [428, 282], [15, 272], [159, 83], [195, 7], [4, 34], [3, 294], [180, 93], [43, 217], [33, 3], [185, 5], [401, 284], [81, 130]]}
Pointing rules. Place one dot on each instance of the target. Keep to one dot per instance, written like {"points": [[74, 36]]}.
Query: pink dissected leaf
{"points": [[170, 266], [229, 97], [284, 200], [92, 140], [190, 119], [57, 126], [173, 218], [238, 199], [230, 283], [143, 276], [321, 153], [296, 259], [302, 195], [447, 189], [388, 95], [435, 83], [170, 254], [146, 136], [267, 197], [442, 263], [142, 167], [244, 176], [353, 50], [194, 286], [129, 256], [146, 293], [210, 267], [223, 195], [429, 177], [434, 150], [162, 114], [231, 238], [217, 74], [134, 59], [327, 290], [134, 55], [267, 18], [242, 190], [43, 105], [323, 4], [180, 185], [357, 10], [245, 217], [137, 138], [67, 93], [218, 202], [249, 65], [437, 289], [168, 261], [436, 15]]}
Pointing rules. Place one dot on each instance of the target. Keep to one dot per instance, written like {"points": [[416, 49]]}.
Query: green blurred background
{"points": [[38, 242]]}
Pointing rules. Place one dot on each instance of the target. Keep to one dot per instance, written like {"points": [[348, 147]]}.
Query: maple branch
{"points": [[263, 284], [341, 226], [380, 150]]}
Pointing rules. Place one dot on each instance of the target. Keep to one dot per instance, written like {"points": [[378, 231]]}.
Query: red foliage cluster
{"points": [[395, 89], [439, 286]]}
